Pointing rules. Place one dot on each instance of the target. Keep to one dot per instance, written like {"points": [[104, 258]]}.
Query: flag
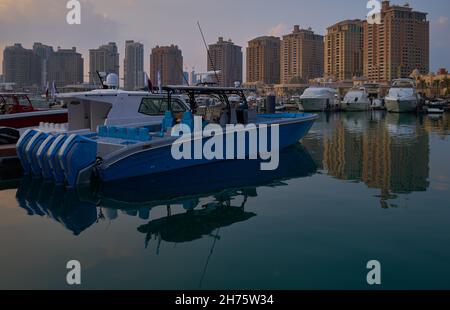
{"points": [[148, 82], [47, 89], [159, 82], [54, 90]]}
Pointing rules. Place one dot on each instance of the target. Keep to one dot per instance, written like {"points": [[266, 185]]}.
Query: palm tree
{"points": [[422, 84], [446, 84], [437, 87]]}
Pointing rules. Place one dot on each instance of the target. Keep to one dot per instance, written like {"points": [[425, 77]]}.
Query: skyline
{"points": [[118, 21]]}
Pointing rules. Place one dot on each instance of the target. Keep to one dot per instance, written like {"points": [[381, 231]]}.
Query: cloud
{"points": [[442, 21], [278, 30], [28, 21]]}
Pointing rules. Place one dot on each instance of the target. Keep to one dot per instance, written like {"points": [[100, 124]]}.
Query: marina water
{"points": [[361, 187]]}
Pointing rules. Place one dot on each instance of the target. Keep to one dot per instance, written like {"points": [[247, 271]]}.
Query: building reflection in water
{"points": [[389, 152], [207, 194]]}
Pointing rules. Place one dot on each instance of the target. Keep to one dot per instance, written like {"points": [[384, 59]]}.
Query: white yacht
{"points": [[374, 92], [319, 99], [402, 97], [357, 99]]}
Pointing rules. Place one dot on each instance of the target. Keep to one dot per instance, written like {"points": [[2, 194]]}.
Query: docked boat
{"points": [[435, 106], [402, 97], [114, 134], [356, 99], [316, 99], [17, 111]]}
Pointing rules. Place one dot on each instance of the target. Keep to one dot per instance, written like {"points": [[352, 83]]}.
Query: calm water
{"points": [[363, 186]]}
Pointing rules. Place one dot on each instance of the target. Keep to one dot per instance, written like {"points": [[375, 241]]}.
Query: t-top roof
{"points": [[204, 89]]}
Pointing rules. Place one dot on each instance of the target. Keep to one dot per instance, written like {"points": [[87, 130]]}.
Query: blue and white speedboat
{"points": [[114, 134]]}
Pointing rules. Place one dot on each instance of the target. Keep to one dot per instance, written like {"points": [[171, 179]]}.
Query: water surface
{"points": [[361, 186]]}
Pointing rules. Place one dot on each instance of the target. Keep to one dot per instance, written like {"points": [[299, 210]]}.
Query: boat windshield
{"points": [[403, 84], [318, 91], [23, 100], [393, 92]]}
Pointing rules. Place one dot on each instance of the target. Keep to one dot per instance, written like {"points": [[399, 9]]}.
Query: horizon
{"points": [[138, 20]]}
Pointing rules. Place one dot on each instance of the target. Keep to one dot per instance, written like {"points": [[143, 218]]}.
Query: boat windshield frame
{"points": [[192, 92], [17, 101]]}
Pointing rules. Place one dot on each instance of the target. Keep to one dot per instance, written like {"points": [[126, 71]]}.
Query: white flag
{"points": [[159, 82], [145, 79], [53, 90]]}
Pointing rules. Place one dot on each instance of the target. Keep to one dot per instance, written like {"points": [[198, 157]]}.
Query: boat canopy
{"points": [[222, 93]]}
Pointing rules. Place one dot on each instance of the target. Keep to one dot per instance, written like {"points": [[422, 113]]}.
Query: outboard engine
{"points": [[43, 159], [78, 154], [21, 149], [32, 149], [52, 159]]}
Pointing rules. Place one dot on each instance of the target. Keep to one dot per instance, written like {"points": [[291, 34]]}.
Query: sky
{"points": [[163, 22]]}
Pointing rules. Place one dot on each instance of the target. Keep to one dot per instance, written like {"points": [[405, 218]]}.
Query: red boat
{"points": [[17, 111]]}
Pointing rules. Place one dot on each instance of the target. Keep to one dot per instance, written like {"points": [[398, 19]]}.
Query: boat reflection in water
{"points": [[48, 200], [389, 152], [207, 195]]}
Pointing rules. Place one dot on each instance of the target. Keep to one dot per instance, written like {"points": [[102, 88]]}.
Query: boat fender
{"points": [[21, 146], [168, 121], [77, 154], [188, 119]]}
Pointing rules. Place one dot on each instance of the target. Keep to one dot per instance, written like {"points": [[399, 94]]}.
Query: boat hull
{"points": [[355, 107], [401, 106], [33, 119], [317, 105], [160, 160]]}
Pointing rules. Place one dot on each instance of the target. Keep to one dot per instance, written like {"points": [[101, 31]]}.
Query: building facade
{"points": [[343, 50], [66, 66], [168, 61], [134, 65], [103, 59], [302, 56], [227, 58], [44, 52], [397, 46], [21, 66], [263, 60]]}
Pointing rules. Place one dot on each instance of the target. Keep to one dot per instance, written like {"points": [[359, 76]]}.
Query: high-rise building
{"points": [[397, 46], [66, 67], [21, 66], [194, 78], [103, 59], [344, 50], [44, 52], [301, 56], [226, 57], [134, 65], [263, 60], [168, 61]]}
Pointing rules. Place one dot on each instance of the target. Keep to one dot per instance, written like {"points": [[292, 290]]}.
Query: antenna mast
{"points": [[207, 51]]}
